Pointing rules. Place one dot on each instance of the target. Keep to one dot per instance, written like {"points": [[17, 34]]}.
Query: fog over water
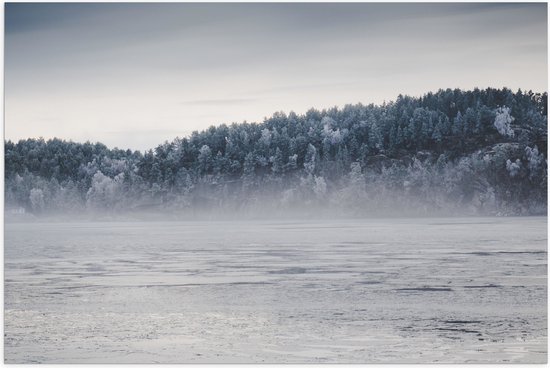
{"points": [[452, 152], [293, 183]]}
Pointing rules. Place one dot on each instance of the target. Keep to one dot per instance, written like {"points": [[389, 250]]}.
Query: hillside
{"points": [[448, 152]]}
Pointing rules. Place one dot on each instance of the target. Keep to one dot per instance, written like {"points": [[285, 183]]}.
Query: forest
{"points": [[450, 152]]}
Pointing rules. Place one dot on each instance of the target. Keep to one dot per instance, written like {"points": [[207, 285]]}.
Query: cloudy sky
{"points": [[134, 75]]}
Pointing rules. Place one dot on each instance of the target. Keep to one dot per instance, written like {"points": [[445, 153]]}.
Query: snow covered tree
{"points": [[513, 167], [479, 141], [103, 193], [309, 161], [503, 119], [320, 187], [204, 158], [277, 162], [36, 198]]}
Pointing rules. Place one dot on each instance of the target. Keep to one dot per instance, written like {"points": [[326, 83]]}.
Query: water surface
{"points": [[356, 291]]}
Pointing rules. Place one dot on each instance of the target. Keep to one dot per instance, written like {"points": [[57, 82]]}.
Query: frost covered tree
{"points": [[535, 160], [503, 121], [513, 167], [310, 158], [292, 162], [448, 149], [277, 162], [104, 191], [204, 158], [36, 198], [265, 139], [320, 187]]}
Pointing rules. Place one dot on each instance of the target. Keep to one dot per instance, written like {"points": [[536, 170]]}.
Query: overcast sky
{"points": [[134, 75]]}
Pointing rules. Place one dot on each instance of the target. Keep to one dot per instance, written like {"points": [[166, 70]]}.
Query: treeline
{"points": [[453, 151]]}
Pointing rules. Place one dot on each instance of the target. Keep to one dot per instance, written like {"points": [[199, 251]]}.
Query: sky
{"points": [[134, 75]]}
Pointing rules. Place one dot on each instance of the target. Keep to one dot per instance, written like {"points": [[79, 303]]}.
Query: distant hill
{"points": [[448, 152]]}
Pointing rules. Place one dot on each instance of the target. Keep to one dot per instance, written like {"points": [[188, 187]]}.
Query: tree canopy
{"points": [[479, 151]]}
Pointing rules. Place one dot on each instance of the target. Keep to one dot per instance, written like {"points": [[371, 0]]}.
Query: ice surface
{"points": [[358, 291]]}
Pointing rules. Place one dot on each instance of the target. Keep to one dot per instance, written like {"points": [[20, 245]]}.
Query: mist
{"points": [[410, 231], [275, 183], [452, 152]]}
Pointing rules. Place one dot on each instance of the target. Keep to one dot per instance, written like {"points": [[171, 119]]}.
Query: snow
{"points": [[503, 119], [447, 290]]}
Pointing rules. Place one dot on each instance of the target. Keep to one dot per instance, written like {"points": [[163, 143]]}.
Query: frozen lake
{"points": [[359, 291]]}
